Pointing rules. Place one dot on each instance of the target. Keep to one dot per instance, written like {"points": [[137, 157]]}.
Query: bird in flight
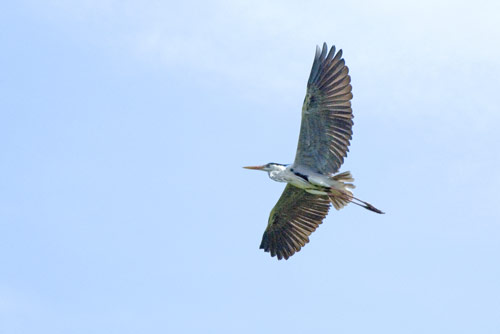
{"points": [[313, 181]]}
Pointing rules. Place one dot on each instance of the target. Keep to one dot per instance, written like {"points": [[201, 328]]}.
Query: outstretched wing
{"points": [[296, 215], [326, 114]]}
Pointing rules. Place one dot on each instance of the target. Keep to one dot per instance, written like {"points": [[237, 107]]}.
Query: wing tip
{"points": [[285, 245], [323, 59]]}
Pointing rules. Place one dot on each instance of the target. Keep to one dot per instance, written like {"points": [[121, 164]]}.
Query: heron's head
{"points": [[270, 167]]}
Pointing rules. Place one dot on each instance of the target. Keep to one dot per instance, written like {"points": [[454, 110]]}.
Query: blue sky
{"points": [[124, 208]]}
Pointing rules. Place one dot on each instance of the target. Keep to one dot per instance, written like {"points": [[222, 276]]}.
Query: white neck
{"points": [[277, 173]]}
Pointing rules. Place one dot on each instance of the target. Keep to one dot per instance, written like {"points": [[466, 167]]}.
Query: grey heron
{"points": [[313, 181]]}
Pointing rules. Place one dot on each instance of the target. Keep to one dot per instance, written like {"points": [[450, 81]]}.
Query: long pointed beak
{"points": [[255, 167]]}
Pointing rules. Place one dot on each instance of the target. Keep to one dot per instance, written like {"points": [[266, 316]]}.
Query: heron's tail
{"points": [[341, 198]]}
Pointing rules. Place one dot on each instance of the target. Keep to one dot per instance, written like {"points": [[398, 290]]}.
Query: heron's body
{"points": [[313, 183], [313, 179]]}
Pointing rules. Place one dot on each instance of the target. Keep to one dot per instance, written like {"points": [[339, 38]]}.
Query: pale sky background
{"points": [[124, 208]]}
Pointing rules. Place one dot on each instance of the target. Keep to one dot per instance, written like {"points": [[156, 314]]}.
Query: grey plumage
{"points": [[296, 215], [326, 128]]}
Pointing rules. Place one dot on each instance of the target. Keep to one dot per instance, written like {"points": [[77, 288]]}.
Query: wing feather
{"points": [[292, 220], [326, 128]]}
